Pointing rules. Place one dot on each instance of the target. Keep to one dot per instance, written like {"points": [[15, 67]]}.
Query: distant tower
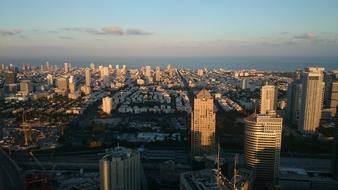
{"points": [[148, 71], [203, 124], [67, 67], [107, 104], [158, 74], [312, 99], [262, 146], [72, 84], [104, 72], [88, 76], [92, 66], [268, 98], [120, 168], [50, 80]]}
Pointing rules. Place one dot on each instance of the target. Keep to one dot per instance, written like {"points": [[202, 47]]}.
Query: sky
{"points": [[168, 28]]}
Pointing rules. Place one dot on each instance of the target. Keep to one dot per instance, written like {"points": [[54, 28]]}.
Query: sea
{"points": [[264, 63]]}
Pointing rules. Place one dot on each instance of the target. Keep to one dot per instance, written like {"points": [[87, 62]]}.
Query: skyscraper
{"points": [[148, 71], [294, 97], [10, 77], [262, 146], [268, 98], [312, 99], [334, 98], [203, 124], [120, 168], [62, 83], [50, 80], [88, 77], [104, 72], [334, 160], [158, 74], [107, 104], [26, 86], [92, 66], [66, 67]]}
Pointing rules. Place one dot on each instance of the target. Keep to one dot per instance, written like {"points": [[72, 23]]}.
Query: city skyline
{"points": [[150, 28], [169, 95]]}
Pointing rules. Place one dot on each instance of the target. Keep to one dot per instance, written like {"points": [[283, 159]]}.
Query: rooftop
{"points": [[119, 153], [204, 94]]}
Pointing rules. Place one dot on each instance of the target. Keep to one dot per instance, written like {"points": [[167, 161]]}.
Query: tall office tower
{"points": [[26, 86], [262, 146], [2, 67], [203, 124], [50, 81], [312, 96], [268, 98], [67, 67], [88, 76], [10, 77], [148, 71], [158, 74], [334, 160], [107, 104], [120, 168], [294, 97], [328, 79], [334, 97], [92, 66], [62, 83]]}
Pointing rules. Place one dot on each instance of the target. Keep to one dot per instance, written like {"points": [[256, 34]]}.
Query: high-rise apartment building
{"points": [[312, 99], [66, 67], [334, 97], [88, 76], [104, 72], [10, 77], [26, 86], [92, 66], [268, 98], [158, 74], [50, 80], [203, 124], [148, 71], [294, 97], [107, 104], [262, 146], [62, 83], [120, 168]]}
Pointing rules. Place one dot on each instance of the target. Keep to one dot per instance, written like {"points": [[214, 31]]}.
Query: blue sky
{"points": [[168, 28]]}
